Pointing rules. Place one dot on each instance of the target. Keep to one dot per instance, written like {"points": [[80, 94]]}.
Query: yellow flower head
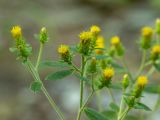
{"points": [[108, 73], [147, 31], [85, 36], [95, 29], [100, 42], [16, 32], [115, 40], [156, 49], [142, 81], [63, 49]]}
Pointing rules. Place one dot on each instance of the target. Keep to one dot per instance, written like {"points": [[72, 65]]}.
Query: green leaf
{"points": [[142, 106], [94, 115], [118, 68], [59, 75], [116, 86], [157, 65], [36, 86], [54, 64], [81, 78], [154, 88], [12, 49], [114, 107], [100, 57], [112, 115]]}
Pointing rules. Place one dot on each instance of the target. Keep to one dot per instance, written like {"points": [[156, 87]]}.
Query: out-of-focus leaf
{"points": [[54, 64], [94, 115], [118, 68], [59, 75], [154, 88], [157, 65], [142, 106], [36, 86], [12, 49], [114, 107], [100, 57], [116, 86], [112, 115], [81, 78]]}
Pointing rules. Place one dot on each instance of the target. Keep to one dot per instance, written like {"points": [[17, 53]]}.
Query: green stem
{"points": [[35, 75], [126, 66], [81, 82], [52, 102], [150, 72], [83, 106], [121, 104], [111, 94], [98, 95], [39, 56], [76, 68], [124, 114], [142, 63]]}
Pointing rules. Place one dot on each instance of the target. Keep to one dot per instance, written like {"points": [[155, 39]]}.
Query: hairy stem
{"points": [[39, 56]]}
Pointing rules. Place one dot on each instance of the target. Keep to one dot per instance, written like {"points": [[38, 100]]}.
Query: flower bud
{"points": [[85, 42], [108, 73], [43, 35], [16, 32], [23, 49], [116, 46], [95, 30], [91, 68], [155, 52], [64, 52], [125, 81], [147, 33], [141, 83], [158, 26], [99, 45]]}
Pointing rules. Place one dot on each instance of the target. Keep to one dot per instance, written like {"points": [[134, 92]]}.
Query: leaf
{"points": [[100, 57], [59, 75], [118, 68], [54, 64], [115, 86], [157, 65], [142, 106], [12, 49], [114, 107], [81, 78], [36, 86], [94, 115], [112, 115], [154, 88]]}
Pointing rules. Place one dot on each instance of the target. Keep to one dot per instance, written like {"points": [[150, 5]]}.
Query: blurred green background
{"points": [[64, 19]]}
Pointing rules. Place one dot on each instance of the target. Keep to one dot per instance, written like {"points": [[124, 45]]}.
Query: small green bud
{"points": [[125, 81], [92, 65], [43, 35], [158, 26]]}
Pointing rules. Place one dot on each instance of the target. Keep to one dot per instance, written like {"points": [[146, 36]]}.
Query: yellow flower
{"points": [[108, 73], [142, 81], [63, 49], [99, 44], [85, 36], [95, 29], [147, 31], [16, 32], [115, 40], [156, 49]]}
